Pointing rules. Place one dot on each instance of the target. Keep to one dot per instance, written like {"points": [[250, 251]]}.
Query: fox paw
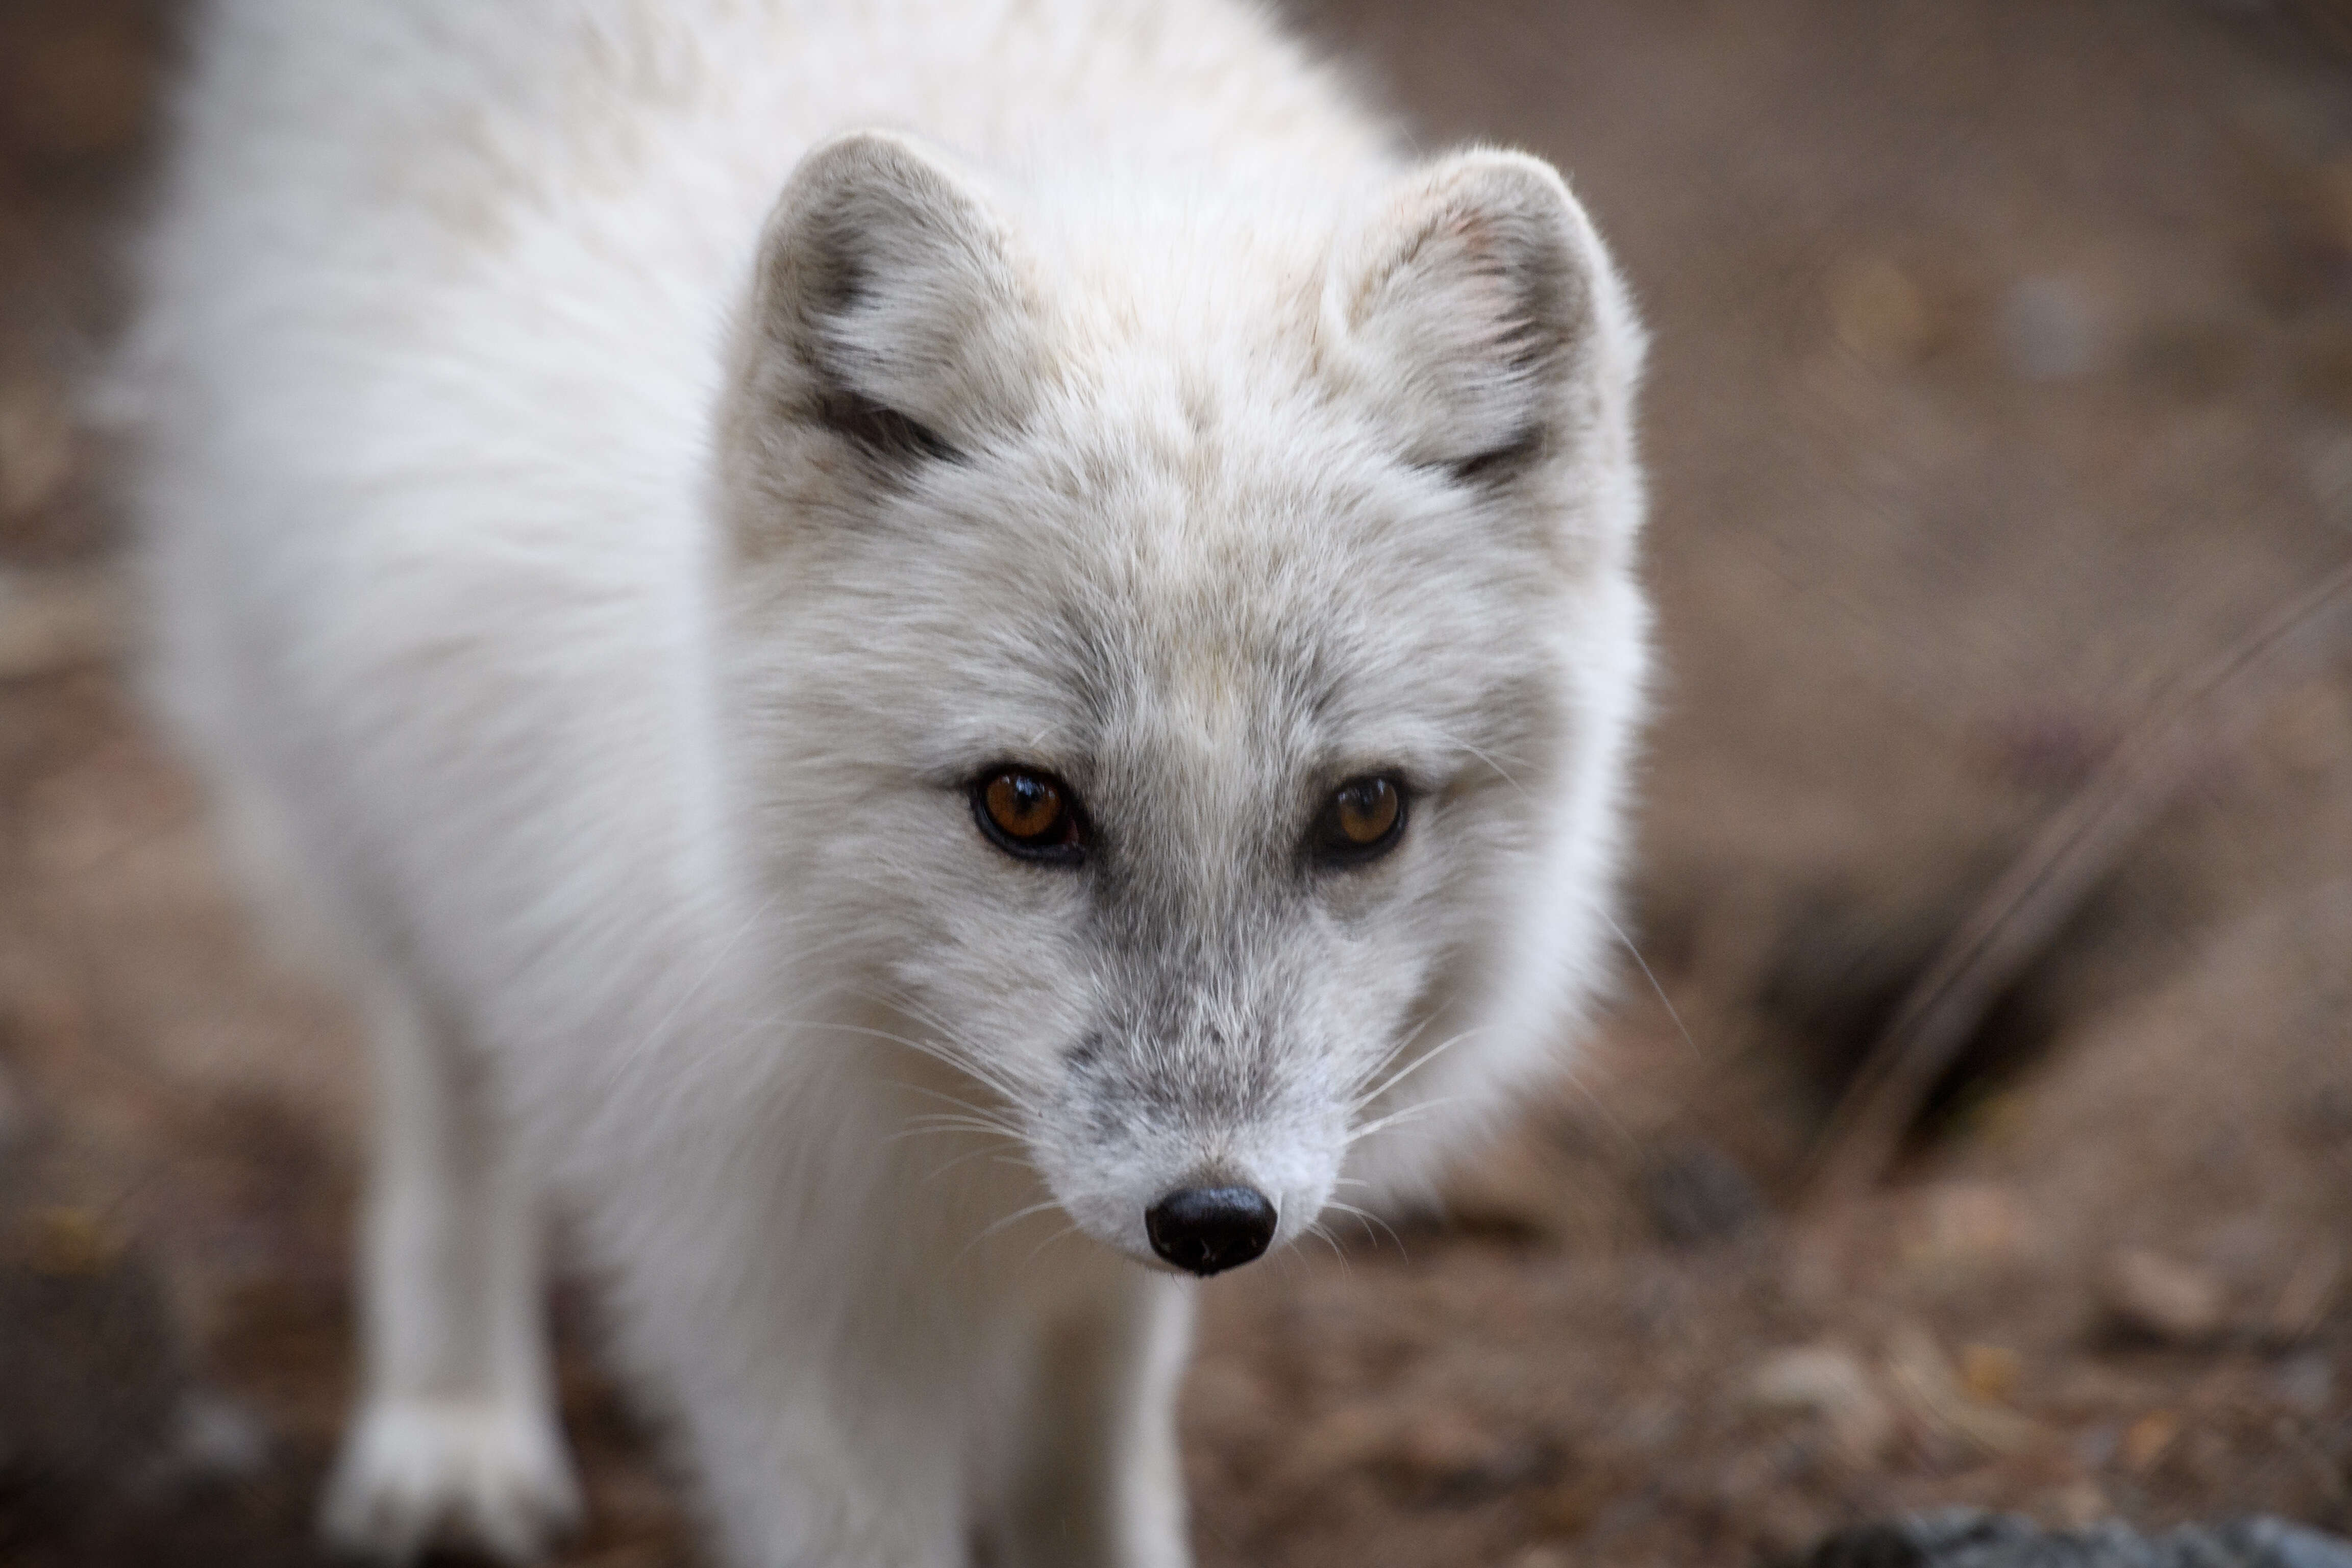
{"points": [[419, 1473]]}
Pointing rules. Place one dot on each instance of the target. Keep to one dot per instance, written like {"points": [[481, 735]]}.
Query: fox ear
{"points": [[1476, 310], [888, 311]]}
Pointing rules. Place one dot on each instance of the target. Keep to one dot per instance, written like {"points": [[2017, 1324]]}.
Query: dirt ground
{"points": [[2003, 379]]}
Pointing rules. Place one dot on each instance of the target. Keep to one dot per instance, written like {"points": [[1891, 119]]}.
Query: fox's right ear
{"points": [[888, 311]]}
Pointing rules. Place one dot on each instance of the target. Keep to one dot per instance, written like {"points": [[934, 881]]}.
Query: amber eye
{"points": [[1363, 818], [1030, 814]]}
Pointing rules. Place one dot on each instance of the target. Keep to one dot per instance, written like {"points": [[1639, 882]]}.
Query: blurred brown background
{"points": [[2003, 384]]}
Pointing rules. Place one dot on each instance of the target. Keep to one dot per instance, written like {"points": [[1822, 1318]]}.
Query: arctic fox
{"points": [[935, 664]]}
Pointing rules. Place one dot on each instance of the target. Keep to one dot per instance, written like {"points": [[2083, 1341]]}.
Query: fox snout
{"points": [[1176, 1165]]}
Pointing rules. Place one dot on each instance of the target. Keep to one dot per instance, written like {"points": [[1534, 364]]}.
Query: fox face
{"points": [[1189, 670]]}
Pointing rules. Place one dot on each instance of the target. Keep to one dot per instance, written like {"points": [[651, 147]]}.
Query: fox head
{"points": [[1189, 651]]}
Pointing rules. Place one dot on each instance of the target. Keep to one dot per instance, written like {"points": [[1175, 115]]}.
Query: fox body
{"points": [[930, 662]]}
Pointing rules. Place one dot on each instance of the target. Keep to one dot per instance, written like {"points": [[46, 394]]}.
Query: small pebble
{"points": [[218, 1439], [2146, 1440], [1933, 1394], [2048, 326], [1828, 1381], [2306, 1382], [1879, 311], [1991, 1372], [1969, 1540], [1696, 1196], [1967, 1230], [2150, 1297]]}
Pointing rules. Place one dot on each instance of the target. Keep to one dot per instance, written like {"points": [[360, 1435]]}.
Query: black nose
{"points": [[1205, 1230]]}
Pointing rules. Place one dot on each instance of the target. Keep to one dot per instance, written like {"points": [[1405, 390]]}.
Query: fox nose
{"points": [[1205, 1230]]}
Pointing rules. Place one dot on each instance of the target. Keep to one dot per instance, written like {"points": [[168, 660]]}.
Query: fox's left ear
{"points": [[1476, 311]]}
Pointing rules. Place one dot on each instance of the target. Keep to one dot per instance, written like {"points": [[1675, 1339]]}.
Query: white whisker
{"points": [[1317, 1230], [1016, 1218], [1407, 1070], [1396, 1118], [970, 1154], [1663, 1001], [1070, 1229], [1368, 1219]]}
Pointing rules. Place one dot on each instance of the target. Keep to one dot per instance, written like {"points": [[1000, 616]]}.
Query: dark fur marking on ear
{"points": [[1499, 465], [882, 432]]}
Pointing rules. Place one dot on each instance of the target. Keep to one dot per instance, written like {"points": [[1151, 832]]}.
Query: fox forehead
{"points": [[1292, 594]]}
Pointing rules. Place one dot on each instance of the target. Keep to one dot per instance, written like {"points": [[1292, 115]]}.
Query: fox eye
{"points": [[1030, 814], [1362, 820]]}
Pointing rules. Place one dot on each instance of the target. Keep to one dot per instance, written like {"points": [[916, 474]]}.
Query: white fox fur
{"points": [[621, 474]]}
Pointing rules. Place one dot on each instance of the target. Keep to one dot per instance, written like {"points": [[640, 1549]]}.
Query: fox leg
{"points": [[1100, 1482], [455, 1438]]}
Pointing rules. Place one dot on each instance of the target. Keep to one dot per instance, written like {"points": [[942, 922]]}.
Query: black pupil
{"points": [[1032, 806]]}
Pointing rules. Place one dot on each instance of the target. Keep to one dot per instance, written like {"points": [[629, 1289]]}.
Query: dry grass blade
{"points": [[2033, 900]]}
